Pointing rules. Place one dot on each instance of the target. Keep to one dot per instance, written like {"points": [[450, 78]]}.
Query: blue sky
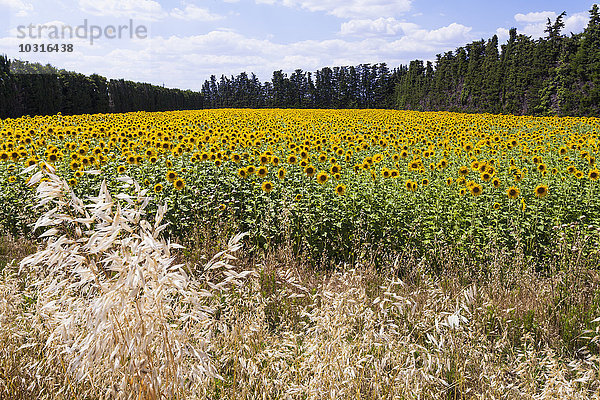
{"points": [[188, 40]]}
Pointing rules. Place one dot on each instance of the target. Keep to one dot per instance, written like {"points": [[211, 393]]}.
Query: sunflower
{"points": [[562, 151], [121, 169], [486, 176], [171, 176], [179, 183], [72, 182], [496, 206], [518, 177], [298, 197], [12, 178], [78, 174], [322, 177], [310, 171], [340, 189], [449, 181], [594, 174], [75, 165], [476, 189], [335, 169], [513, 192], [394, 173], [292, 159], [541, 191], [425, 182], [250, 169], [463, 171], [158, 188], [242, 173], [386, 173], [267, 186], [262, 171]]}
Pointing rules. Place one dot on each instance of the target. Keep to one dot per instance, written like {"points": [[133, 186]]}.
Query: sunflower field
{"points": [[335, 185]]}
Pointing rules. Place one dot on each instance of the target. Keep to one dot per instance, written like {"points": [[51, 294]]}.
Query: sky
{"points": [[180, 43]]}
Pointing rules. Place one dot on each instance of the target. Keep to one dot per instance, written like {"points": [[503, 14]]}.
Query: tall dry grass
{"points": [[102, 311]]}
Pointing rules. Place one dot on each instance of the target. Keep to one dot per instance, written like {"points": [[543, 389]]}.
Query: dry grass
{"points": [[102, 311]]}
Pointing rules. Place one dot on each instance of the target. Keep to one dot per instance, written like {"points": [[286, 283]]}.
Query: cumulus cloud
{"points": [[186, 61], [534, 24], [412, 36], [379, 26], [19, 7], [533, 17], [502, 34], [348, 8], [194, 13], [135, 9]]}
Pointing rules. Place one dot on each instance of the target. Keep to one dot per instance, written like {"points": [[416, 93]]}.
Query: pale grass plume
{"points": [[120, 313]]}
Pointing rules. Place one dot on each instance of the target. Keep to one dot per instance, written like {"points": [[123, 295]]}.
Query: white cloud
{"points": [[445, 34], [534, 24], [413, 38], [533, 17], [573, 23], [185, 62], [576, 23], [21, 8], [503, 35], [348, 8], [380, 26], [194, 13], [134, 9]]}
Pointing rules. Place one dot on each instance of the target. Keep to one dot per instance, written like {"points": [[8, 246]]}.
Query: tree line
{"points": [[35, 89], [558, 74]]}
